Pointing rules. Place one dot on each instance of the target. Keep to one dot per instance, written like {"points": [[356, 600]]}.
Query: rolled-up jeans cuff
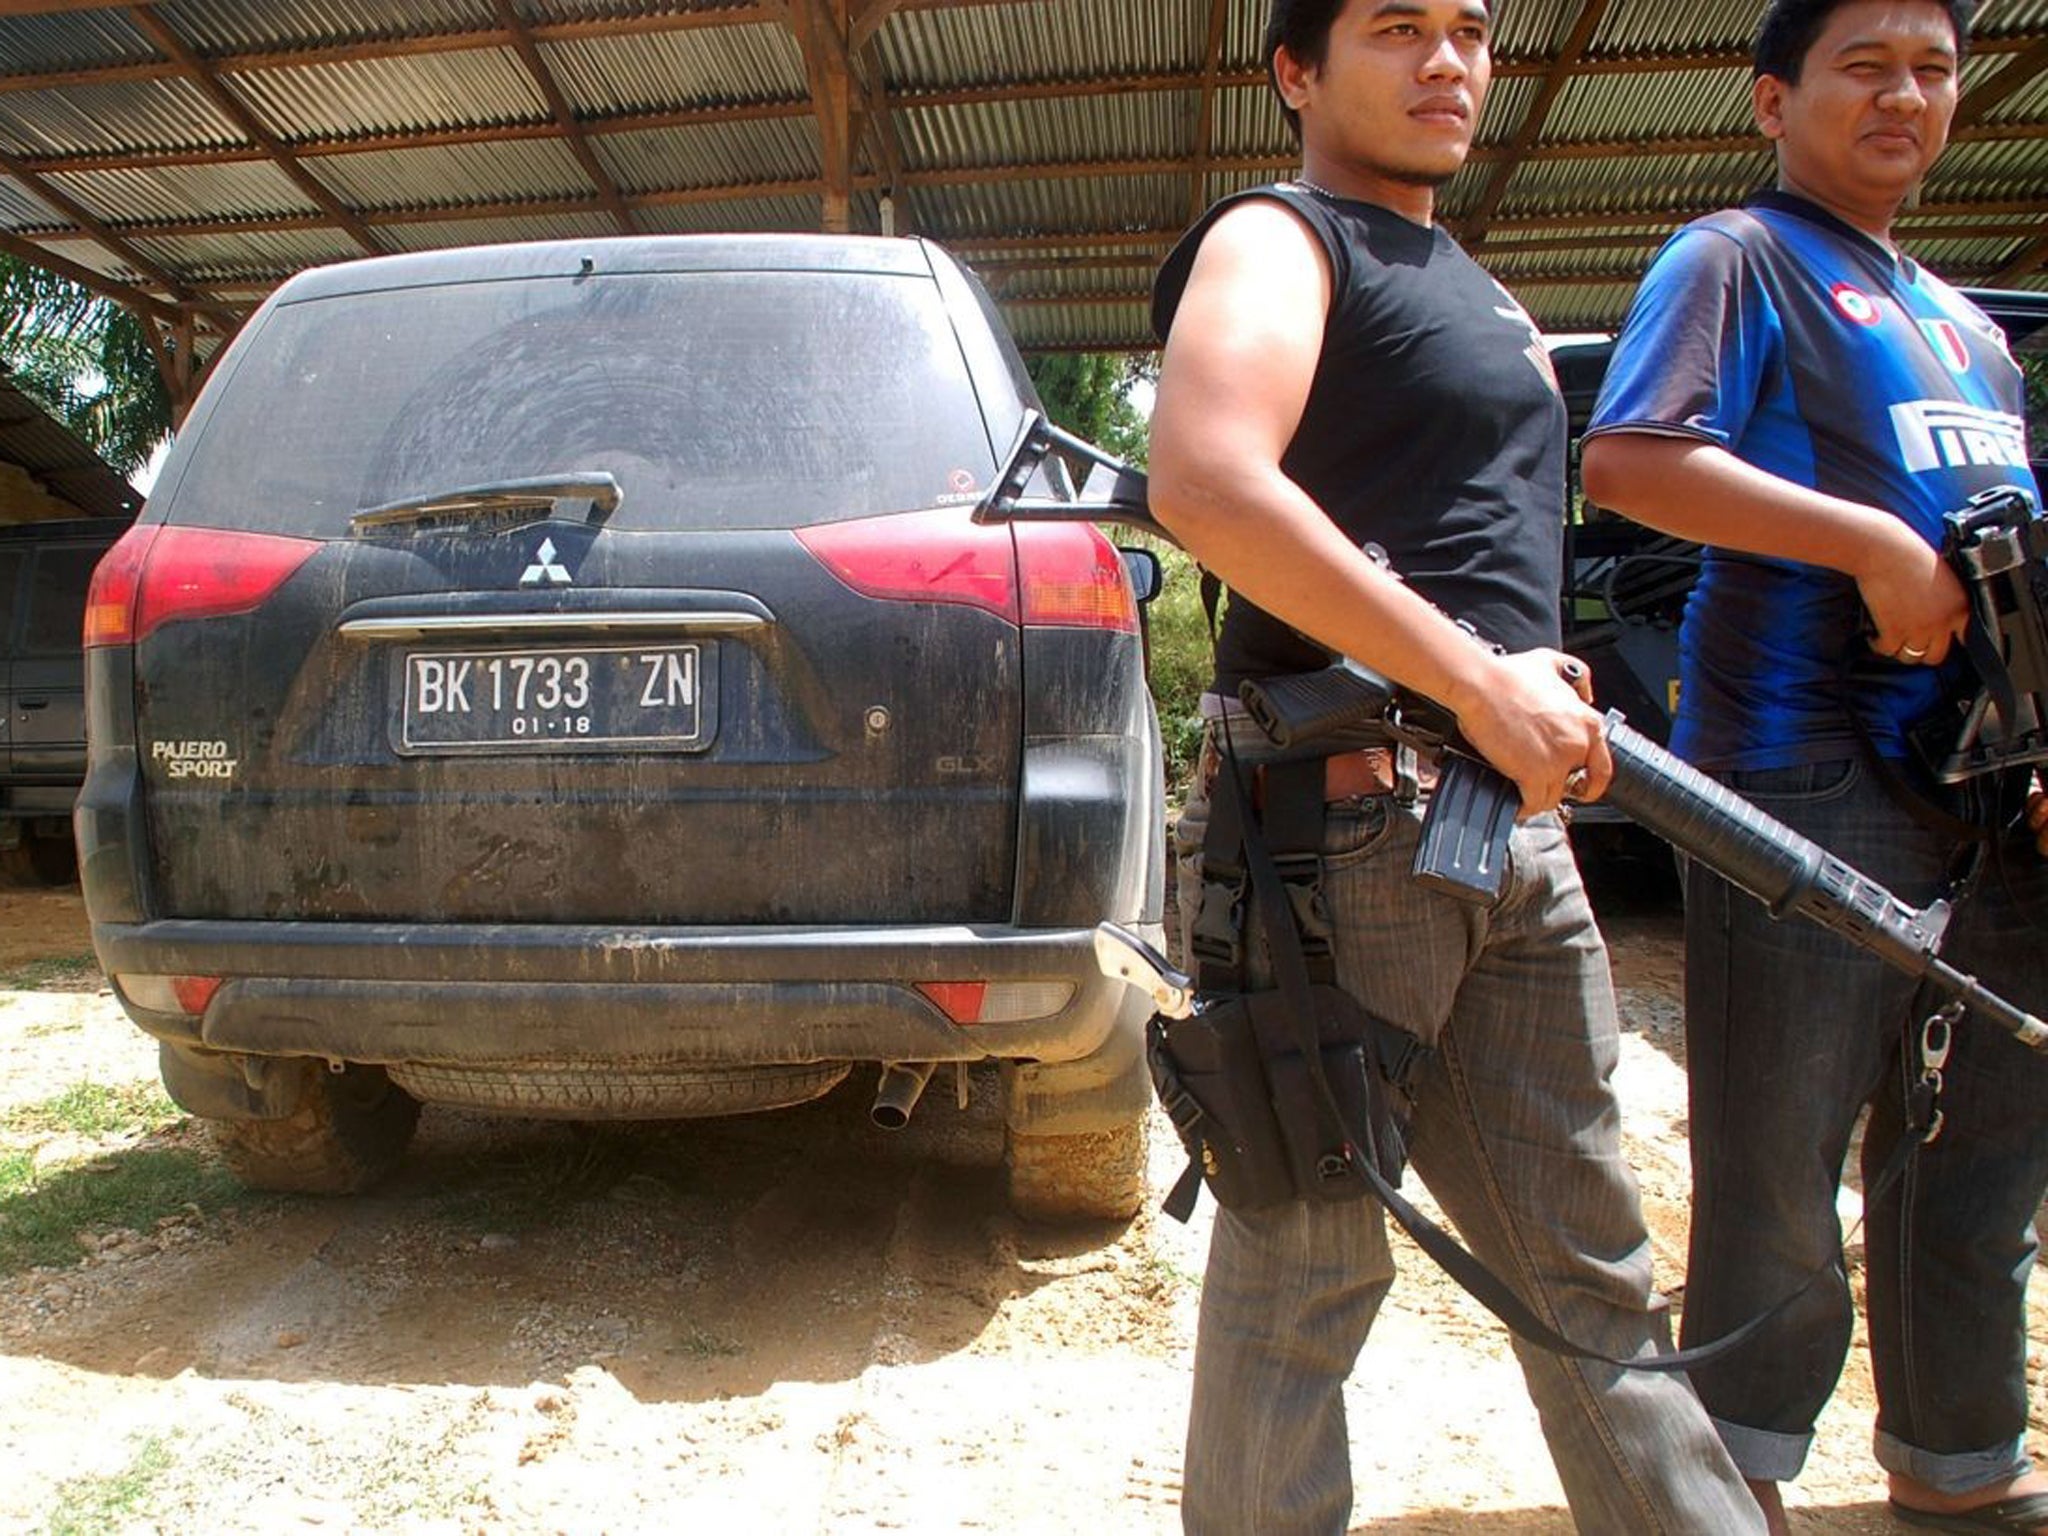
{"points": [[1764, 1455], [1951, 1473]]}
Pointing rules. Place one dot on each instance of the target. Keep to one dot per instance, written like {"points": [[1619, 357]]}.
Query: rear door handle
{"points": [[29, 704]]}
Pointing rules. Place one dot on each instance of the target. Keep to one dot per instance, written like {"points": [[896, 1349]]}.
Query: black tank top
{"points": [[1434, 428]]}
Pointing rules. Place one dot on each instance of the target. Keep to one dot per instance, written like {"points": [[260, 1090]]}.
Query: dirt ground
{"points": [[773, 1325]]}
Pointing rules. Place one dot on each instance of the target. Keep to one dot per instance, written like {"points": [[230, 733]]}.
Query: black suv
{"points": [[572, 680], [45, 569]]}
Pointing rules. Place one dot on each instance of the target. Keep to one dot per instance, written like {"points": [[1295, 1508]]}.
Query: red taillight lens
{"points": [[1073, 578], [156, 574], [188, 995], [1061, 574], [110, 599], [959, 1001], [195, 992], [921, 557], [997, 1002]]}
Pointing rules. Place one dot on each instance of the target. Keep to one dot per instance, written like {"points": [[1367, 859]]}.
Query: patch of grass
{"points": [[535, 1186], [94, 1109], [42, 1213], [55, 973], [699, 1345], [87, 1506], [1182, 659]]}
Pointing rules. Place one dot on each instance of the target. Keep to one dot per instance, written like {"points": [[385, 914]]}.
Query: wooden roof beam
{"points": [[1048, 171], [1472, 226], [850, 106], [2025, 263], [231, 106], [91, 227], [2019, 72], [815, 24], [869, 16], [563, 115], [768, 11], [137, 299], [1205, 110], [695, 117], [438, 138]]}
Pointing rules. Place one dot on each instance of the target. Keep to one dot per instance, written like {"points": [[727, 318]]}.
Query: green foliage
{"points": [[42, 1213], [1182, 659], [95, 1109], [55, 973], [1089, 393], [88, 1506], [84, 359]]}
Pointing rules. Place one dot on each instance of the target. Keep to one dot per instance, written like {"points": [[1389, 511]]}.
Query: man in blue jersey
{"points": [[1806, 400]]}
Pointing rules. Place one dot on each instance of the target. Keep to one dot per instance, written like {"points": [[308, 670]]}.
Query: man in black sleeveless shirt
{"points": [[1338, 371]]}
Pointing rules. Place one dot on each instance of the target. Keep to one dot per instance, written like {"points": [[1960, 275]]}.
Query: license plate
{"points": [[558, 699]]}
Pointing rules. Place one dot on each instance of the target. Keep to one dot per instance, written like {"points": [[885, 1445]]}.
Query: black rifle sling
{"points": [[1291, 971]]}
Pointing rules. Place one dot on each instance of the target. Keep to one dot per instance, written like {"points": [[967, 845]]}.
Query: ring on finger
{"points": [[1912, 653], [1575, 783]]}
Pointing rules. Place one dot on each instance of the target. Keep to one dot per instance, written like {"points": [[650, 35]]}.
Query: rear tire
{"points": [[609, 1091], [349, 1131], [1094, 1176]]}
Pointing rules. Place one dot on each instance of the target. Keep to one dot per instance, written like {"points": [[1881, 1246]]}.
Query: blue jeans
{"points": [[1517, 1135], [1791, 1032]]}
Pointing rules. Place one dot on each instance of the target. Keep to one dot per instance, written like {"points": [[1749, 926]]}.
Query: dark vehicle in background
{"points": [[569, 680], [1628, 584], [45, 570]]}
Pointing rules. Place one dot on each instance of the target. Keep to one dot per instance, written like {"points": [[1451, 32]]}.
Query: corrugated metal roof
{"points": [[193, 151], [59, 460]]}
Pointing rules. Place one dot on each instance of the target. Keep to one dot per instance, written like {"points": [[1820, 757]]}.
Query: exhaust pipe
{"points": [[902, 1085]]}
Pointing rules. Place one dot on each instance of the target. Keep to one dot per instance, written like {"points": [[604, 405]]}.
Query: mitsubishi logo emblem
{"points": [[546, 568]]}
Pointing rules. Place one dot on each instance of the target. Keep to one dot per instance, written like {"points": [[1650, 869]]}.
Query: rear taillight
{"points": [[110, 599], [1066, 575], [921, 557], [998, 1002], [157, 574], [1073, 578], [188, 995]]}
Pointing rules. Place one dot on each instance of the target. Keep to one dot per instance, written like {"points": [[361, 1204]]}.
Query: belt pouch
{"points": [[1246, 1104]]}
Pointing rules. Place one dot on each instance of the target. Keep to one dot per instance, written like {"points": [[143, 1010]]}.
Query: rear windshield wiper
{"points": [[597, 494]]}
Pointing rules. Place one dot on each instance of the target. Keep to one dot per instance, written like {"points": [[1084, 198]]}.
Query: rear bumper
{"points": [[463, 995]]}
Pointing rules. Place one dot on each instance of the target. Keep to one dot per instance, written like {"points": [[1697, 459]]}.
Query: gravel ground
{"points": [[772, 1325]]}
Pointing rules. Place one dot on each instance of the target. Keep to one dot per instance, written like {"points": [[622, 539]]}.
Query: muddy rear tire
{"points": [[350, 1130], [1095, 1176]]}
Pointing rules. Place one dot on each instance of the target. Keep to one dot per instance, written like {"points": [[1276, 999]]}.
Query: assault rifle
{"points": [[1997, 545], [1465, 832]]}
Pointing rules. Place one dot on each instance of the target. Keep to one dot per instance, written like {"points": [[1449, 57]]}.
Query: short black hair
{"points": [[1302, 27], [1790, 28]]}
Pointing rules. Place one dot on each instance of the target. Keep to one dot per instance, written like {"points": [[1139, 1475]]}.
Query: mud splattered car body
{"points": [[569, 679]]}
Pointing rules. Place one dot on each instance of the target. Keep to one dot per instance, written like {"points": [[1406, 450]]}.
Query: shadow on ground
{"points": [[694, 1261]]}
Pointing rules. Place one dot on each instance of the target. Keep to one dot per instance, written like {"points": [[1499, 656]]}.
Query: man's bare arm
{"points": [[1236, 378], [1700, 491]]}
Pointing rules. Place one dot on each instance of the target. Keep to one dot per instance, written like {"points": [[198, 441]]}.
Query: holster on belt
{"points": [[1235, 1076]]}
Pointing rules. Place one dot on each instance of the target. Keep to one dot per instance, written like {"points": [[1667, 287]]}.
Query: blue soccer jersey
{"points": [[1806, 348]]}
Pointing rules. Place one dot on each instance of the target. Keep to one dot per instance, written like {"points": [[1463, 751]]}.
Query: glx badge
{"points": [[546, 568]]}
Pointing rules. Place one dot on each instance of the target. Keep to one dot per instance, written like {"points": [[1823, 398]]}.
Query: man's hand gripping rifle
{"points": [[1465, 831]]}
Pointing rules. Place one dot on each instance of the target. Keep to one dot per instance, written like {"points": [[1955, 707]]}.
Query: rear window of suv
{"points": [[717, 400]]}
